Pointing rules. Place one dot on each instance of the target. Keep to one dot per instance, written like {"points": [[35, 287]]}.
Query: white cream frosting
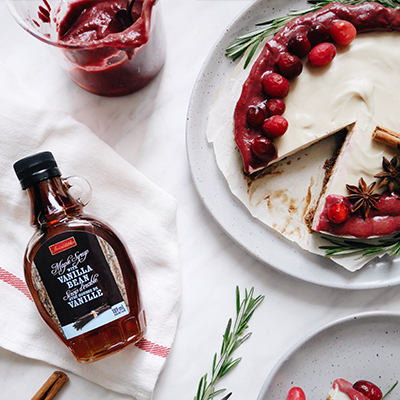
{"points": [[361, 84], [336, 394]]}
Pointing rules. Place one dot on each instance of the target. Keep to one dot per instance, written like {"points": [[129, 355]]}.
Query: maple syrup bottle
{"points": [[79, 273]]}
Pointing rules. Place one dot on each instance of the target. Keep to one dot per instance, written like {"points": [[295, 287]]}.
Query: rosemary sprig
{"points": [[346, 247], [252, 39], [233, 337]]}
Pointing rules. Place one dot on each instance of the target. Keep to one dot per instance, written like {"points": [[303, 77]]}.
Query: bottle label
{"points": [[79, 281]]}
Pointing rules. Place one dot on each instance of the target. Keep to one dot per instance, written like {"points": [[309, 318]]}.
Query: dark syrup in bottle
{"points": [[79, 273]]}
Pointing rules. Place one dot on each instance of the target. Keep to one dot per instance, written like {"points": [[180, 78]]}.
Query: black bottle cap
{"points": [[36, 168]]}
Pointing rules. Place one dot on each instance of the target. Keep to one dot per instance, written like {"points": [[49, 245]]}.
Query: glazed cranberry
{"points": [[296, 393], [289, 65], [275, 106], [338, 213], [322, 54], [275, 85], [256, 115], [299, 44], [317, 34], [368, 389], [275, 127], [343, 32], [263, 148]]}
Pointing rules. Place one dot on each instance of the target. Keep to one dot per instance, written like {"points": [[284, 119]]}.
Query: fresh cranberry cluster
{"points": [[267, 115]]}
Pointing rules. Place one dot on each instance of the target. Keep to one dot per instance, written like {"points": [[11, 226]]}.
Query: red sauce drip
{"points": [[365, 17]]}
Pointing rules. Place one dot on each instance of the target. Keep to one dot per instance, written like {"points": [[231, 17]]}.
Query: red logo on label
{"points": [[61, 246]]}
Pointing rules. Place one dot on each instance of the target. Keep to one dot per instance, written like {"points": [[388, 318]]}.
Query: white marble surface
{"points": [[148, 129]]}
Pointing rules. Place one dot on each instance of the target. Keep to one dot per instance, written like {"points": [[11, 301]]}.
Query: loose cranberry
{"points": [[275, 106], [343, 32], [338, 213], [275, 127], [322, 54], [317, 34], [256, 115], [299, 44], [275, 85], [289, 65], [368, 389], [264, 148], [296, 393]]}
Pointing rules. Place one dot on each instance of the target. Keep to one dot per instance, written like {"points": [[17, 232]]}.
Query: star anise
{"points": [[363, 197], [391, 174]]}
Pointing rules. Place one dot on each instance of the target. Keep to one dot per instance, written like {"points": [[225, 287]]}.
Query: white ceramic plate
{"points": [[363, 346], [256, 238]]}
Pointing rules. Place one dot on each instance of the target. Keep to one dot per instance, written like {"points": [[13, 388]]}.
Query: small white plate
{"points": [[256, 238], [360, 347]]}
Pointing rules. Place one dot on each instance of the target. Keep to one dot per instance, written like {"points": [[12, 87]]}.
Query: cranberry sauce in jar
{"points": [[108, 51]]}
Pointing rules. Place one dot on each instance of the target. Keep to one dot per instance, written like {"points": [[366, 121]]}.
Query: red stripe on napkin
{"points": [[20, 285], [153, 348], [15, 282]]}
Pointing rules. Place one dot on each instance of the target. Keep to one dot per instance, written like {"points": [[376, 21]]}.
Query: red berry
{"points": [[338, 213], [289, 65], [275, 106], [317, 34], [343, 32], [264, 148], [299, 44], [275, 85], [322, 54], [368, 389], [256, 115], [275, 127], [296, 393]]}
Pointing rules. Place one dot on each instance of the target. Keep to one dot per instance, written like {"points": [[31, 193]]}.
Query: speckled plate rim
{"points": [[379, 322], [230, 214]]}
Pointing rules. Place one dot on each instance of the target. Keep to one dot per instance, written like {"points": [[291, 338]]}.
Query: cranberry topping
{"points": [[289, 65], [275, 85], [322, 54], [380, 222], [318, 33], [338, 213], [275, 106], [275, 127], [368, 389], [296, 393], [343, 32], [299, 44], [365, 17], [264, 148], [256, 115]]}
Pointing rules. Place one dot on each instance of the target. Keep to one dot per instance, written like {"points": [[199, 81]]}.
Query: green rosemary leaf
{"points": [[251, 40], [390, 389], [241, 341], [229, 366], [232, 338]]}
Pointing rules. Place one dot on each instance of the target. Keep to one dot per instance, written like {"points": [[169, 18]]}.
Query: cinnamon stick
{"points": [[52, 386], [386, 136]]}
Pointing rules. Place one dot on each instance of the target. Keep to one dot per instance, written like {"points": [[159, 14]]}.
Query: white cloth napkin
{"points": [[143, 215]]}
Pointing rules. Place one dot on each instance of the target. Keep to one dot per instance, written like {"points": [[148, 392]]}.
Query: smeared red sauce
{"points": [[380, 222], [111, 56], [44, 14], [365, 17]]}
